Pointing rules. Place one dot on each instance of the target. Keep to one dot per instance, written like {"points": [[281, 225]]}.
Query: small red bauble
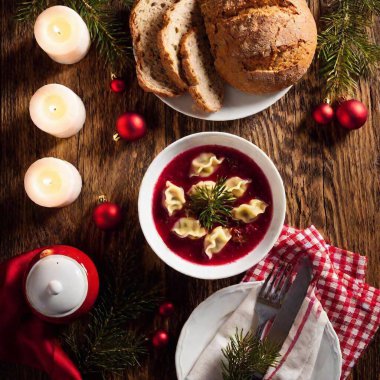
{"points": [[131, 126], [323, 114], [160, 339], [166, 309], [107, 215], [118, 85], [352, 114]]}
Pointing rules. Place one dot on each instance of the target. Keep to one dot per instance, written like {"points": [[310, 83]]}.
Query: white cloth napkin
{"points": [[298, 353]]}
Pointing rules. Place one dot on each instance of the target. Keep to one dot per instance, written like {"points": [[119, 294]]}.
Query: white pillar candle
{"points": [[62, 34], [51, 182], [57, 110]]}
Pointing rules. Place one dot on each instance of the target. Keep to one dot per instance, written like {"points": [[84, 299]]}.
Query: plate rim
{"points": [[212, 116], [226, 289]]}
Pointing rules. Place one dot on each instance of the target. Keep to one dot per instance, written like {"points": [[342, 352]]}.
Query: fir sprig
{"points": [[106, 341], [246, 354], [212, 204], [106, 30], [345, 50], [106, 27], [30, 9]]}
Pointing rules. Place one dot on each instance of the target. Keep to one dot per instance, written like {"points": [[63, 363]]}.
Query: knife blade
{"points": [[286, 316], [291, 305]]}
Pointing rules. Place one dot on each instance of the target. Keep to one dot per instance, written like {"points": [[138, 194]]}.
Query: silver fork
{"points": [[271, 296]]}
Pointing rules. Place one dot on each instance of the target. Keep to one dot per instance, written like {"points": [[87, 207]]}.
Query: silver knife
{"points": [[292, 303]]}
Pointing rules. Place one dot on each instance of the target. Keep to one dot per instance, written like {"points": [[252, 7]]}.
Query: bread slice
{"points": [[145, 22], [178, 20], [206, 87]]}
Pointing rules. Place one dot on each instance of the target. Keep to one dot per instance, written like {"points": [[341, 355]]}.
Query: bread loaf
{"points": [[260, 46], [205, 85], [178, 20], [146, 21]]}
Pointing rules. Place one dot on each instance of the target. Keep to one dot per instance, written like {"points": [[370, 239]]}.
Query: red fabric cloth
{"points": [[24, 338], [352, 306]]}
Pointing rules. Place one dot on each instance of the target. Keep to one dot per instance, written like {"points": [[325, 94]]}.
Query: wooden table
{"points": [[331, 177]]}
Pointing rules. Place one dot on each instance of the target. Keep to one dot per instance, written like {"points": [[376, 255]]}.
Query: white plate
{"points": [[206, 319], [236, 105]]}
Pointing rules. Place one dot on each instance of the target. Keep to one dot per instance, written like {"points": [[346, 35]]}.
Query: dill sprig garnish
{"points": [[212, 205], [246, 355]]}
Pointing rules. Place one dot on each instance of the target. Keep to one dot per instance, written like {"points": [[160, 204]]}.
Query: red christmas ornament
{"points": [[118, 85], [107, 215], [323, 114], [160, 339], [352, 114], [166, 309], [130, 126]]}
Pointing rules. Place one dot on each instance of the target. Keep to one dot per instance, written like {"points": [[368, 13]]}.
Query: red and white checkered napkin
{"points": [[352, 306]]}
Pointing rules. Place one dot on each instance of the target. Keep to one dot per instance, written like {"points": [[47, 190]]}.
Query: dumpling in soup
{"points": [[204, 165], [189, 228], [207, 184], [216, 240], [174, 198], [237, 186], [249, 212]]}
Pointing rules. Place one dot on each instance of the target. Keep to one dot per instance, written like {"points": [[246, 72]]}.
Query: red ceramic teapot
{"points": [[61, 284]]}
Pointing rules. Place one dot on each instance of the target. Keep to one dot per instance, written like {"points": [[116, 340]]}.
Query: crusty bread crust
{"points": [[145, 21], [260, 46], [178, 20], [205, 86]]}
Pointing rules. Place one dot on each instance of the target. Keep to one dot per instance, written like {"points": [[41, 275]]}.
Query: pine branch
{"points": [[246, 355], [28, 10], [107, 29], [104, 343], [212, 205], [345, 50]]}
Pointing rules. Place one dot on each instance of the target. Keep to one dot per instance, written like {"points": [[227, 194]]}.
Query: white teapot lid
{"points": [[56, 286]]}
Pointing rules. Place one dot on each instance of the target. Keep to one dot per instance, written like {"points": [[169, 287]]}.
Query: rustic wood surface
{"points": [[331, 177]]}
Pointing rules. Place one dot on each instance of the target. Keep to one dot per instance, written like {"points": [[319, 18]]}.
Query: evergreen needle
{"points": [[345, 50], [246, 354], [212, 204], [107, 29], [106, 341]]}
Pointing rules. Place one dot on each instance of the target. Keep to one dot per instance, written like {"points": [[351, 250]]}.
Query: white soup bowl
{"points": [[145, 206]]}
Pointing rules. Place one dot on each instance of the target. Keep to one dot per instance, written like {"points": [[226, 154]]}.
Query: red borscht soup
{"points": [[179, 188]]}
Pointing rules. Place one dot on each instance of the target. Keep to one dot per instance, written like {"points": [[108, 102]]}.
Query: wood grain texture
{"points": [[331, 177]]}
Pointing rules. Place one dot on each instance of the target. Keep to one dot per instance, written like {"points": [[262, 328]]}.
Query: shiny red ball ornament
{"points": [[160, 339], [323, 114], [131, 126], [352, 114], [118, 85], [107, 215], [166, 309]]}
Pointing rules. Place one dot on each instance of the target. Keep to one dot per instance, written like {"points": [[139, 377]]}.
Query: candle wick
{"points": [[47, 181], [57, 30], [53, 108]]}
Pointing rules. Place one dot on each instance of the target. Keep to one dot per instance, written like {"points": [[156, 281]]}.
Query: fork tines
{"points": [[276, 284]]}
